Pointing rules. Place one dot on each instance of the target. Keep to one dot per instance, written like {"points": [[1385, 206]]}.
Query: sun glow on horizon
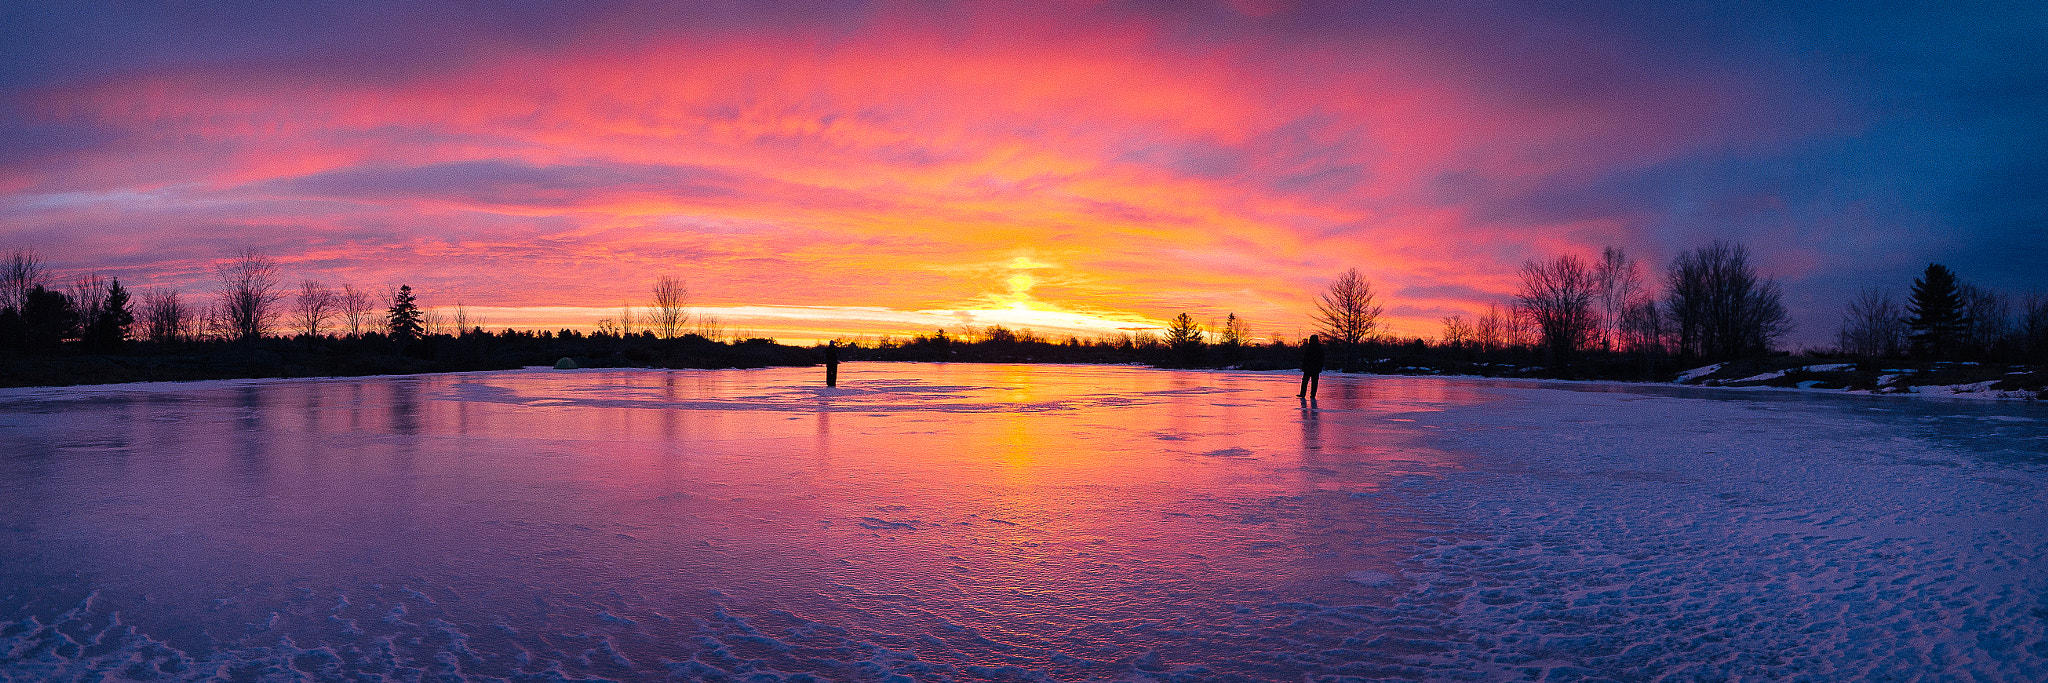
{"points": [[1083, 167]]}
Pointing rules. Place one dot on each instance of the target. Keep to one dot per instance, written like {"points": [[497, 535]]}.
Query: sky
{"points": [[815, 169]]}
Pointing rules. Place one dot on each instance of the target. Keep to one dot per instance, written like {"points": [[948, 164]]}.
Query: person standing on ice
{"points": [[832, 363], [1311, 368]]}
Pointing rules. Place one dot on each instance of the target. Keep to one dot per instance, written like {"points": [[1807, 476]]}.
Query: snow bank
{"points": [[1696, 373]]}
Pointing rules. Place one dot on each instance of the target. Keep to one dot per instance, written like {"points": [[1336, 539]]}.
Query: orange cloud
{"points": [[885, 169]]}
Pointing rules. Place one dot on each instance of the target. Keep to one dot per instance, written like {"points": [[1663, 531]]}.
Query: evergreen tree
{"points": [[404, 316], [1936, 313], [13, 332], [1234, 336], [108, 327], [1184, 335], [50, 319]]}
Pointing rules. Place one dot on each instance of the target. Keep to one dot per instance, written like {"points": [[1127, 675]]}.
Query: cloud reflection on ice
{"points": [[997, 522]]}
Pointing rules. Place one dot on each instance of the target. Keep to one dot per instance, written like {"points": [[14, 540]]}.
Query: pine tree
{"points": [[1184, 335], [109, 325], [1936, 319], [404, 316], [50, 318]]}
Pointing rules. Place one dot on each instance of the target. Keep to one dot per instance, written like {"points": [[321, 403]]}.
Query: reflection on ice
{"points": [[1001, 522]]}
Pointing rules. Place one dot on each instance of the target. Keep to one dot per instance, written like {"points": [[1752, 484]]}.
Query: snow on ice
{"points": [[986, 522]]}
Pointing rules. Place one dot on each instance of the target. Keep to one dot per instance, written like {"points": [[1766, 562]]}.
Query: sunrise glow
{"points": [[1079, 167]]}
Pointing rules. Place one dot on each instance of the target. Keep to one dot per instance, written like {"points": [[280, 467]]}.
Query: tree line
{"points": [[1602, 317], [1943, 318], [1709, 305], [1712, 305], [250, 303]]}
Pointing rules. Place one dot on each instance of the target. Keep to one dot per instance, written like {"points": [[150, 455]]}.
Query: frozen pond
{"points": [[986, 522]]}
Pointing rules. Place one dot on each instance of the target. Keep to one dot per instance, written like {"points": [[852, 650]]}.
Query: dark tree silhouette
{"points": [[165, 319], [48, 318], [1618, 279], [248, 294], [1642, 329], [1872, 326], [2033, 328], [1559, 295], [1233, 337], [313, 307], [671, 307], [355, 306], [1184, 336], [1987, 322], [404, 320], [107, 329], [1936, 313], [1718, 306], [1348, 313], [22, 272], [13, 331]]}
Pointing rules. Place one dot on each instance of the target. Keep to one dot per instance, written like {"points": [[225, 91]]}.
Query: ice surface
{"points": [[977, 522]]}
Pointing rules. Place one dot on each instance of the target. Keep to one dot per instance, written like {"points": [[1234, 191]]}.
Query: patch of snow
{"points": [[1830, 367], [1973, 390], [1697, 373]]}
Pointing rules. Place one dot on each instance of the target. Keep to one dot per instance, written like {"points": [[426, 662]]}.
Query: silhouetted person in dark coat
{"points": [[832, 364], [1311, 368]]}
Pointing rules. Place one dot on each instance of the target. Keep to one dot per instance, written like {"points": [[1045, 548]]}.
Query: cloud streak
{"points": [[881, 155]]}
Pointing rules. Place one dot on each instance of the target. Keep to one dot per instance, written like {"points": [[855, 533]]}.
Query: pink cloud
{"points": [[863, 169]]}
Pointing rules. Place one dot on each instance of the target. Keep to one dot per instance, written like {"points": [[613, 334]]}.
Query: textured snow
{"points": [[949, 522]]}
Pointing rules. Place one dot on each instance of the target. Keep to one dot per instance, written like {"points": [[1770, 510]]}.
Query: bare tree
{"points": [[1642, 328], [626, 320], [1873, 326], [671, 316], [22, 272], [355, 307], [89, 296], [1457, 332], [1988, 321], [165, 319], [215, 323], [1718, 306], [315, 305], [1349, 312], [1558, 295], [433, 322], [248, 294], [1491, 332], [1617, 279], [2033, 327], [708, 326]]}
